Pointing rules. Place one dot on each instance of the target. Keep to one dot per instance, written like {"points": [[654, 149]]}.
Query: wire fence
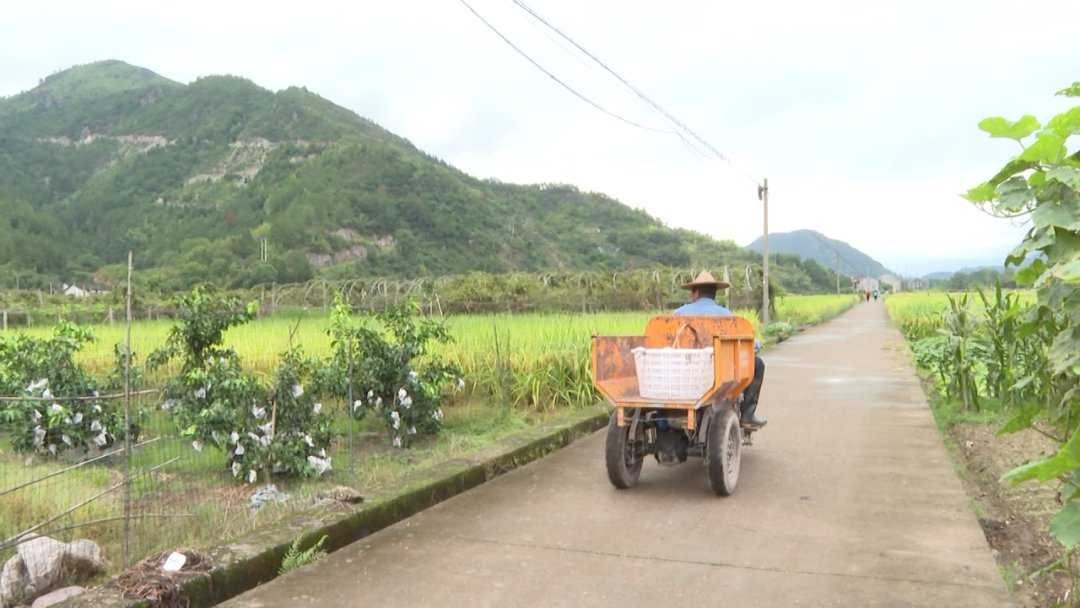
{"points": [[87, 510], [94, 510]]}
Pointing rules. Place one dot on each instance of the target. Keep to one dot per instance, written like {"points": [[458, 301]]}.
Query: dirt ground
{"points": [[1014, 518]]}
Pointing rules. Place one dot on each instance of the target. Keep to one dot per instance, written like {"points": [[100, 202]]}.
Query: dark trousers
{"points": [[753, 390]]}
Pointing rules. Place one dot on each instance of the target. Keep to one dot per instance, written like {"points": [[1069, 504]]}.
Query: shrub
{"points": [[396, 376], [44, 370], [215, 402]]}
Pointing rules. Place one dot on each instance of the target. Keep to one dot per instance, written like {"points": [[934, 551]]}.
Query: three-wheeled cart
{"points": [[676, 392]]}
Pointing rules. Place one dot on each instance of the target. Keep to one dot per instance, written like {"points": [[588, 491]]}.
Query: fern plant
{"points": [[294, 557]]}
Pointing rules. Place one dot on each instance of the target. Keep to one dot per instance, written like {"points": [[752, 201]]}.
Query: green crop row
{"points": [[533, 361]]}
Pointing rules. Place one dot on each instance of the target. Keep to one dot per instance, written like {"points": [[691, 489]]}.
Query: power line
{"points": [[653, 104], [854, 268], [555, 78]]}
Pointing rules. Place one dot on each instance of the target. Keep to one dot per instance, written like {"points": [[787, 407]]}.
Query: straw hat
{"points": [[705, 278]]}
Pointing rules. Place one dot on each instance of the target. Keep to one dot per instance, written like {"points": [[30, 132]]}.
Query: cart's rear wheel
{"points": [[623, 461], [723, 452]]}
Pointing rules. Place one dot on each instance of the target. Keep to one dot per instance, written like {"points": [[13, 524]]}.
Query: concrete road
{"points": [[847, 498]]}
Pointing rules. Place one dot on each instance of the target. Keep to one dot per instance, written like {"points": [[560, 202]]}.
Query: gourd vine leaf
{"points": [[1070, 176], [1014, 194], [1064, 213], [1013, 167], [1000, 127], [1042, 470], [982, 193], [1066, 459], [1029, 274], [1065, 354], [1073, 91], [1022, 419], [1070, 271], [1048, 148], [1067, 123], [1065, 526]]}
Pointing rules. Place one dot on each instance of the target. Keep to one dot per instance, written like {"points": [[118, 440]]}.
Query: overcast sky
{"points": [[862, 115]]}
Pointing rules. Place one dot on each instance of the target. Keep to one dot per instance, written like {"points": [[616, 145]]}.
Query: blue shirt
{"points": [[701, 306], [706, 306]]}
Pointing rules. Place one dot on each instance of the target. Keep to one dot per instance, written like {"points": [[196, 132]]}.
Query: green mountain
{"points": [[830, 253], [223, 181]]}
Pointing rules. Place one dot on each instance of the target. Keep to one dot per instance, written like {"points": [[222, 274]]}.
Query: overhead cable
{"points": [[556, 79], [636, 90]]}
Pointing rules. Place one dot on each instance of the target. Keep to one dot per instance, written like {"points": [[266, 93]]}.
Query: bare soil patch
{"points": [[1015, 518]]}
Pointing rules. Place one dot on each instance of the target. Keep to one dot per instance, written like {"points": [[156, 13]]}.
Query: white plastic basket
{"points": [[673, 373]]}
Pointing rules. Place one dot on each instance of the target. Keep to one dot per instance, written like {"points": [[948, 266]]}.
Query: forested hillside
{"points": [[222, 181]]}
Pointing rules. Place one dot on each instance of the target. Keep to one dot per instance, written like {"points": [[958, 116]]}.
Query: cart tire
{"points": [[723, 452], [623, 466]]}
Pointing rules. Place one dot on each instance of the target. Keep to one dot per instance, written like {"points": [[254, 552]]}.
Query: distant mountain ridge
{"points": [[221, 181], [828, 252], [225, 181]]}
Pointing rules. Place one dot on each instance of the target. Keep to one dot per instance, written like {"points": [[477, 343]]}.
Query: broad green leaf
{"points": [[1071, 487], [1070, 271], [1041, 470], [1048, 149], [1066, 460], [1055, 213], [1070, 176], [1065, 526], [1013, 167], [1068, 122], [1064, 245], [1064, 351], [981, 193], [1014, 194], [1030, 243], [999, 127], [1021, 420], [1073, 91], [1031, 273]]}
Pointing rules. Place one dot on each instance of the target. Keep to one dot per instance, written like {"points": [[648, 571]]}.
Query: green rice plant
{"points": [[812, 309]]}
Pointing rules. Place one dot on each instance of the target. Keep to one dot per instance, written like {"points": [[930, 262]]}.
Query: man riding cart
{"points": [[678, 390]]}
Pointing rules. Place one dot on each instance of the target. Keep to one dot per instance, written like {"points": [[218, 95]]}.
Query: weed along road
{"points": [[847, 498]]}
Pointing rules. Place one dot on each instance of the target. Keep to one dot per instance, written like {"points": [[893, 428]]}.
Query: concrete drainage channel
{"points": [[252, 560]]}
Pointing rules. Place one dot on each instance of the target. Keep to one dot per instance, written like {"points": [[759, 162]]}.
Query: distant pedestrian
{"points": [[867, 295], [875, 295]]}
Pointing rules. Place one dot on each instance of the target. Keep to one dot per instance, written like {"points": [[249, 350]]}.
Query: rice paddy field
{"points": [[518, 369]]}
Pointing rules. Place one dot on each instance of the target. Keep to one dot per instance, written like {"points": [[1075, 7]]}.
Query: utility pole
{"points": [[837, 273], [763, 194]]}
